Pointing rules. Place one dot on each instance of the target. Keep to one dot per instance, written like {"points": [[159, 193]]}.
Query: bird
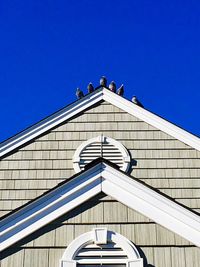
{"points": [[79, 93], [90, 88], [103, 81], [120, 91], [112, 87], [137, 102]]}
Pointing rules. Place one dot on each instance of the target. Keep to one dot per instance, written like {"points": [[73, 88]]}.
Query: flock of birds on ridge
{"points": [[112, 87]]}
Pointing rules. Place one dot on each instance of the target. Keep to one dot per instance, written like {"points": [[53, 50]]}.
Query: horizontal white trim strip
{"points": [[102, 261], [100, 178], [88, 101], [109, 245], [99, 253]]}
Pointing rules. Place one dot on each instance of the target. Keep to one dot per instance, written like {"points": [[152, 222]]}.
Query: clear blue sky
{"points": [[48, 48]]}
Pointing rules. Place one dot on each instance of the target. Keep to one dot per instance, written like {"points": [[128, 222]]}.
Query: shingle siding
{"points": [[159, 160], [158, 256], [160, 246]]}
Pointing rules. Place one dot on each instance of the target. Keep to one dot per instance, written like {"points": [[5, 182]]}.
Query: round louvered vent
{"points": [[104, 147], [101, 255], [101, 247]]}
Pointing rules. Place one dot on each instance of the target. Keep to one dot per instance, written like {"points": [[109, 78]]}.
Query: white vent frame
{"points": [[101, 141], [88, 239]]}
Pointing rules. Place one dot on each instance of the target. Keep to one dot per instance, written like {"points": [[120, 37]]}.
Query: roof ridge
{"points": [[89, 100], [100, 177]]}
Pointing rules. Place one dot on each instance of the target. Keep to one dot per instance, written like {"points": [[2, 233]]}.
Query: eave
{"points": [[101, 177], [101, 94]]}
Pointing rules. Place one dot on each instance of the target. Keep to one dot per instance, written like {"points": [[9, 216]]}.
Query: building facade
{"points": [[106, 171]]}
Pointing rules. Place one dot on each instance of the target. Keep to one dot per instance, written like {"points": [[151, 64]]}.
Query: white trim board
{"points": [[98, 236], [100, 178], [87, 102]]}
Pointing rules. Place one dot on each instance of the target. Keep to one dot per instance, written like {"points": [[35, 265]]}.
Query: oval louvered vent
{"points": [[101, 255], [104, 147]]}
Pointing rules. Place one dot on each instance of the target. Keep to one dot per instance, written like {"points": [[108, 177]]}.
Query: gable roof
{"points": [[87, 102], [100, 176]]}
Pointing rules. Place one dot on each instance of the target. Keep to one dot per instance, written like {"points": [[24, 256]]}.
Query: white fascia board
{"points": [[100, 178], [88, 101], [49, 207], [50, 122], [151, 204], [152, 119]]}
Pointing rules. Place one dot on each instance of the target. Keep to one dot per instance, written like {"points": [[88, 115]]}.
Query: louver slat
{"points": [[101, 146], [107, 253], [100, 150], [104, 254], [99, 261]]}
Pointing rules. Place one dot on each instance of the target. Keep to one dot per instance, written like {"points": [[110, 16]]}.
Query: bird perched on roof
{"points": [[137, 102], [112, 87], [103, 81], [90, 88], [120, 91], [79, 93]]}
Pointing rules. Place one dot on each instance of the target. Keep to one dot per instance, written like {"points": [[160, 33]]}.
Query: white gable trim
{"points": [[152, 119], [88, 101], [100, 178], [51, 122]]}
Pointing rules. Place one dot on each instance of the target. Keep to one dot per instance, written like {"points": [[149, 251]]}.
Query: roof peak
{"points": [[88, 101], [101, 177], [102, 84]]}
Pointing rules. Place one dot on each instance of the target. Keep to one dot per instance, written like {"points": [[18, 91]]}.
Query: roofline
{"points": [[101, 176], [50, 122], [88, 101], [87, 167], [152, 119]]}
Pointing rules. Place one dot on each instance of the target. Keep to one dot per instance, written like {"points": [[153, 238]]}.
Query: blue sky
{"points": [[48, 48]]}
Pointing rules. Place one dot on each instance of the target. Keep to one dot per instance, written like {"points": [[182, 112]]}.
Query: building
{"points": [[102, 182]]}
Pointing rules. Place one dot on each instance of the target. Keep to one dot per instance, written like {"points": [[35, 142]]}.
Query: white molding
{"points": [[65, 263], [100, 178], [136, 263], [101, 138], [50, 122], [88, 101], [89, 238], [153, 205], [100, 235], [49, 207], [152, 119]]}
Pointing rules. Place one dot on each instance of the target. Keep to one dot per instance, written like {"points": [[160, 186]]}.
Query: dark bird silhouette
{"points": [[137, 102], [90, 88], [120, 91], [112, 87], [79, 93], [103, 81]]}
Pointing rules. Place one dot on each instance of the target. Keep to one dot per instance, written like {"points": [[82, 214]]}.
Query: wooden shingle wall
{"points": [[157, 245], [159, 160]]}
